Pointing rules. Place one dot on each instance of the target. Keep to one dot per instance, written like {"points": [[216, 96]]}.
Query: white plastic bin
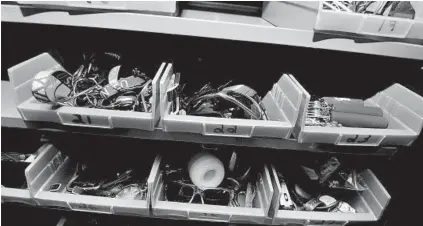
{"points": [[62, 173], [155, 7], [281, 105], [205, 212], [369, 204], [402, 107], [21, 77], [367, 24], [32, 172]]}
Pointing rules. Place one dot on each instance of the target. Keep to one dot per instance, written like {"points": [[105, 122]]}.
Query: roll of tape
{"points": [[206, 170]]}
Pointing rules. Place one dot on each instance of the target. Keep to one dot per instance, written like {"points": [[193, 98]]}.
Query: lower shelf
{"points": [[53, 167]]}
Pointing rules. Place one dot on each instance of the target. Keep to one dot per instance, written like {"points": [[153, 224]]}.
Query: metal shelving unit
{"points": [[207, 25]]}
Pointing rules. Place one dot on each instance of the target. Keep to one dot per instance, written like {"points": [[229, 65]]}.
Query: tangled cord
{"points": [[123, 186]]}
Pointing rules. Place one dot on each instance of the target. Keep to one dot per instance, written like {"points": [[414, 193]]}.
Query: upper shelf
{"points": [[206, 24], [11, 118]]}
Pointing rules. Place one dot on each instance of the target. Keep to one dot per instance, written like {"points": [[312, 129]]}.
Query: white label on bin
{"points": [[85, 120], [227, 130], [90, 207], [392, 27], [214, 216], [354, 139], [386, 27]]}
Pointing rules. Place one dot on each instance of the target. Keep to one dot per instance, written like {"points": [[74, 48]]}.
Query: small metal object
{"points": [[328, 201], [250, 195], [55, 187], [145, 92], [318, 113], [125, 101], [173, 93], [77, 190], [344, 207], [328, 169], [301, 193], [312, 204], [285, 202], [232, 161]]}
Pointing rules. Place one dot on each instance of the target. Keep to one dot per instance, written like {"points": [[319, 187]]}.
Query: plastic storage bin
{"points": [[154, 7], [281, 104], [367, 24], [402, 107], [177, 210], [45, 157], [62, 173], [369, 204], [21, 77]]}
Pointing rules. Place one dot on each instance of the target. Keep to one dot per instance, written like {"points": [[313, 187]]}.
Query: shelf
{"points": [[11, 118], [200, 24]]}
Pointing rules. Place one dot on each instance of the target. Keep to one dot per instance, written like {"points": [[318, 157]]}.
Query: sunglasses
{"points": [[181, 191]]}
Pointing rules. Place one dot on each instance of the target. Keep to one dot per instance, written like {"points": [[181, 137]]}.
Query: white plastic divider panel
{"points": [[402, 107], [163, 7], [176, 210], [416, 30], [85, 203], [281, 105], [369, 205], [331, 20], [21, 77], [45, 155], [367, 24]]}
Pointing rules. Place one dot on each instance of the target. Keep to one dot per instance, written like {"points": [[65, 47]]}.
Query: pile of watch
{"points": [[236, 101], [327, 187], [236, 189], [101, 80], [122, 185]]}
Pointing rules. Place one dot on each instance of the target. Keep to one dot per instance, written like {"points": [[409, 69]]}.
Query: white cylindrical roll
{"points": [[206, 170]]}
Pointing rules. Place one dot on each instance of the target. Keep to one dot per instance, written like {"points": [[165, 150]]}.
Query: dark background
{"points": [[321, 72]]}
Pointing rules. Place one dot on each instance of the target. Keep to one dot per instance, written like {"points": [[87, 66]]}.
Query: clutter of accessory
{"points": [[16, 162], [237, 101], [122, 185], [326, 186], [338, 112], [14, 156], [102, 80], [208, 180], [400, 9]]}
